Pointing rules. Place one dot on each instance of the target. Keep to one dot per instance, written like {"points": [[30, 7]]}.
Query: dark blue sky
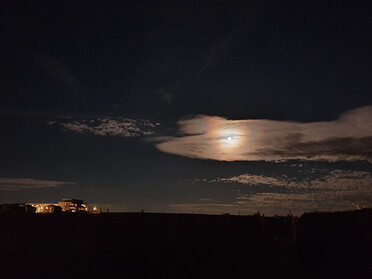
{"points": [[92, 93]]}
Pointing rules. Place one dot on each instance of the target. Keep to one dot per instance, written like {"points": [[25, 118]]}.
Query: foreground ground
{"points": [[140, 245]]}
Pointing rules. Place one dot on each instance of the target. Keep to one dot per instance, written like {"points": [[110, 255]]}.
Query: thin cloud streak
{"points": [[16, 184], [331, 191], [335, 180], [56, 69], [211, 137]]}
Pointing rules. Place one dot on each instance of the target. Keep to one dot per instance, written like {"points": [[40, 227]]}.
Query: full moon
{"points": [[229, 138]]}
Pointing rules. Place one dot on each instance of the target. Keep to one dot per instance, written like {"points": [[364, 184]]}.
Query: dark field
{"points": [[146, 245]]}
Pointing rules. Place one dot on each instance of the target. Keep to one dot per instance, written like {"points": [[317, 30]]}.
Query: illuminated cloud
{"points": [[331, 191], [253, 180], [345, 180], [211, 137], [122, 127], [14, 184], [300, 202]]}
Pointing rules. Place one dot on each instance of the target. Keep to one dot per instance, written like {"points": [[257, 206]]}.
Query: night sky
{"points": [[187, 106]]}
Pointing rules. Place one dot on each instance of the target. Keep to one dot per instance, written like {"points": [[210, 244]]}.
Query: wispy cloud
{"points": [[335, 180], [300, 202], [211, 137], [324, 191], [14, 184], [217, 52], [58, 70], [211, 208], [122, 127]]}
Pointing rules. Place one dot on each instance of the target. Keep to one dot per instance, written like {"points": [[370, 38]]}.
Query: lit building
{"points": [[45, 207], [95, 210], [73, 205], [67, 205]]}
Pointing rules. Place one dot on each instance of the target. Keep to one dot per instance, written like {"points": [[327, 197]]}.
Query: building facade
{"points": [[73, 205], [66, 205], [45, 207]]}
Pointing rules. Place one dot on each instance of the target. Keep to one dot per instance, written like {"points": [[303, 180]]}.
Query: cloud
{"points": [[211, 137], [57, 70], [218, 51], [122, 127], [253, 180], [298, 203], [215, 208], [14, 184], [279, 203], [335, 180], [295, 203], [327, 191]]}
